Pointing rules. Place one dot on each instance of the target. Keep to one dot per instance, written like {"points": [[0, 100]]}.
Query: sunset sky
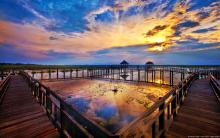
{"points": [[108, 31]]}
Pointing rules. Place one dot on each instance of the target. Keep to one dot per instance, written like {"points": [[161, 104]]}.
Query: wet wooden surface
{"points": [[20, 114], [199, 115]]}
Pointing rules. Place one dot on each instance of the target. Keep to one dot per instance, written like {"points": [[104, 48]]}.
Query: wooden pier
{"points": [[191, 108], [20, 114], [199, 114]]}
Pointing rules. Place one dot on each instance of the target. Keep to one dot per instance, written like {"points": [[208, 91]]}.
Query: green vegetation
{"points": [[18, 66]]}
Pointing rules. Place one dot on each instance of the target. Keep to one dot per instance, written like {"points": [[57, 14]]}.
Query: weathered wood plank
{"points": [[21, 115], [199, 115]]}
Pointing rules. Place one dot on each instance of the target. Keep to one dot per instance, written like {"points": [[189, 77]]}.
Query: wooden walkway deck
{"points": [[20, 114], [199, 115]]}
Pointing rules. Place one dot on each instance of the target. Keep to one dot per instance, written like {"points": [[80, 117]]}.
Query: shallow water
{"points": [[45, 75], [110, 104]]}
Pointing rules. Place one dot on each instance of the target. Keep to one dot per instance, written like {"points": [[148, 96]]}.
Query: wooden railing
{"points": [[215, 86], [70, 122], [158, 118], [4, 86], [65, 117]]}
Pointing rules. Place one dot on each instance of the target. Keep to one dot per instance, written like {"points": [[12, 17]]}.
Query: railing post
{"points": [[39, 94], [147, 75], [152, 75], [83, 73], [49, 74], [61, 120], [162, 119], [64, 74], [132, 75], [41, 73], [173, 105], [76, 73], [71, 73], [138, 73], [57, 74], [160, 76], [154, 130]]}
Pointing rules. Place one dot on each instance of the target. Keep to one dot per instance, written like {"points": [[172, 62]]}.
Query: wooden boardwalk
{"points": [[20, 114], [199, 115]]}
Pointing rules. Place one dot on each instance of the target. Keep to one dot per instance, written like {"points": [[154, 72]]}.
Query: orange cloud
{"points": [[157, 32]]}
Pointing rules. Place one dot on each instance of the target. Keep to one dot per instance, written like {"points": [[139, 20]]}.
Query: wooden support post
{"points": [[172, 77], [41, 74], [182, 76], [2, 74], [76, 73], [64, 74], [138, 74], [32, 75], [147, 75], [71, 73], [57, 74], [113, 74], [168, 111], [154, 130], [119, 74], [173, 105], [49, 74], [162, 119], [132, 75], [103, 72], [154, 75], [161, 76]]}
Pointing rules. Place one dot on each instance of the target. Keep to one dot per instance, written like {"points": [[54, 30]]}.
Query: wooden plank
{"points": [[21, 115], [199, 115]]}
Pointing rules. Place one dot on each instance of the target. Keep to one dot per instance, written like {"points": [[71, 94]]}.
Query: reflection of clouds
{"points": [[157, 32], [96, 99], [80, 103]]}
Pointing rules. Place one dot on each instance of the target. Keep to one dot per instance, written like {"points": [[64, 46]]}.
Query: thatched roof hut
{"points": [[124, 62], [149, 63]]}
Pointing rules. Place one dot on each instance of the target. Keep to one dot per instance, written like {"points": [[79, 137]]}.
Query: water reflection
{"points": [[110, 104], [80, 103]]}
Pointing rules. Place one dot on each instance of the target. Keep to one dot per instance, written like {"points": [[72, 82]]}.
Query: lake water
{"points": [[176, 75], [111, 104]]}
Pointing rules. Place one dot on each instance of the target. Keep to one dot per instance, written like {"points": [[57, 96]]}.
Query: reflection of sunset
{"points": [[158, 81], [109, 103]]}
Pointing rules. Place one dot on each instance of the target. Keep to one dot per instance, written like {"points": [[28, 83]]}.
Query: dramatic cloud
{"points": [[81, 28]]}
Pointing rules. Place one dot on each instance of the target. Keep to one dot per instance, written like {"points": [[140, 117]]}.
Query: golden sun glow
{"points": [[156, 39], [158, 81], [157, 33], [156, 48]]}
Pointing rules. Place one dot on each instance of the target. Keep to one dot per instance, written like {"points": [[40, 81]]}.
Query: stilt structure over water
{"points": [[191, 105]]}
